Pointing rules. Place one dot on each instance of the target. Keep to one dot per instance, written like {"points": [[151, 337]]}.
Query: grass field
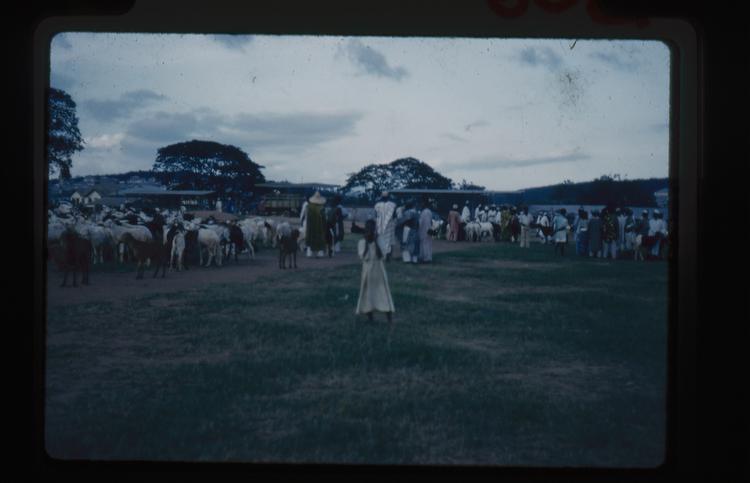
{"points": [[498, 356]]}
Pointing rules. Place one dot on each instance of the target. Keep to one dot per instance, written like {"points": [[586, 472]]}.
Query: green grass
{"points": [[499, 356]]}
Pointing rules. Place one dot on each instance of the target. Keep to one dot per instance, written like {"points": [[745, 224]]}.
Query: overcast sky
{"points": [[506, 114]]}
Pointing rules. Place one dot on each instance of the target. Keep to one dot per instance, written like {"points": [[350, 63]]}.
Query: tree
{"points": [[63, 136], [404, 173], [468, 185], [207, 165]]}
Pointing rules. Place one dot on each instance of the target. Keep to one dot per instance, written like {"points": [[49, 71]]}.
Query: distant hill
{"points": [[636, 192]]}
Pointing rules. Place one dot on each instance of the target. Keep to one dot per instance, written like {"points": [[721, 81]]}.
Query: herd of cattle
{"points": [[159, 238]]}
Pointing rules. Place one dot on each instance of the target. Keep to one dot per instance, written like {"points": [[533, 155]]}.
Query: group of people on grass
{"points": [[601, 233], [607, 233], [409, 226], [505, 220], [617, 231]]}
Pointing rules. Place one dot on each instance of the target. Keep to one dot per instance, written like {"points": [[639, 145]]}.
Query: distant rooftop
{"points": [[454, 192], [163, 192], [296, 185]]}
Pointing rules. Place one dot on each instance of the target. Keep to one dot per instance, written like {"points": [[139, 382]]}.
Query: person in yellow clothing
{"points": [[315, 226], [374, 293]]}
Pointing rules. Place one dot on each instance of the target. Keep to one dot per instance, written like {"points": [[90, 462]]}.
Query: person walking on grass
{"points": [[374, 292], [560, 231]]}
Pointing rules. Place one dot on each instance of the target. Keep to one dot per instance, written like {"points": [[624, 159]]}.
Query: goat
{"points": [[288, 247], [472, 231], [211, 241], [143, 250], [642, 247], [270, 232], [486, 231], [178, 250], [72, 253], [237, 239], [436, 226], [174, 240]]}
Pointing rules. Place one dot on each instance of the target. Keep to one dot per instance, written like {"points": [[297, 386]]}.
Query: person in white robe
{"points": [[621, 218], [525, 220], [303, 224], [425, 240], [385, 211], [466, 213], [374, 292]]}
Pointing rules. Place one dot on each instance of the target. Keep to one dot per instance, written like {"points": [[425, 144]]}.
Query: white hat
{"points": [[317, 199], [455, 207]]}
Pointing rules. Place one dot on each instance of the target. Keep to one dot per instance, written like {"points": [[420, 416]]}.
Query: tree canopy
{"points": [[63, 136], [207, 165], [404, 173], [468, 185]]}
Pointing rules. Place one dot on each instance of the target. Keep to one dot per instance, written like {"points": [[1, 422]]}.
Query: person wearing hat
{"points": [[385, 223], [454, 220], [315, 226]]}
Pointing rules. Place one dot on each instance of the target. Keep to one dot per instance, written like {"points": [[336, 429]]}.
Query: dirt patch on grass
{"points": [[118, 284]]}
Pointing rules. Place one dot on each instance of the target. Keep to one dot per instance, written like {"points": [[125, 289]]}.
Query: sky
{"points": [[506, 114]]}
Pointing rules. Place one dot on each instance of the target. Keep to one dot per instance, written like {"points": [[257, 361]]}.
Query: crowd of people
{"points": [[607, 233], [619, 233]]}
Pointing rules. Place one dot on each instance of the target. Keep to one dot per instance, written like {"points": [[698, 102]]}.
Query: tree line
{"points": [[229, 171]]}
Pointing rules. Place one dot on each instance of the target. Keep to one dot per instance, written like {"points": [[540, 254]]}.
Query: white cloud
{"points": [[105, 141]]}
